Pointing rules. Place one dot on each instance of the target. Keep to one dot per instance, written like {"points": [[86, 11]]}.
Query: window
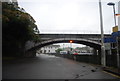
{"points": [[49, 51]]}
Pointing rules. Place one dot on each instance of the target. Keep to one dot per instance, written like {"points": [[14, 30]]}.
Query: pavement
{"points": [[51, 67]]}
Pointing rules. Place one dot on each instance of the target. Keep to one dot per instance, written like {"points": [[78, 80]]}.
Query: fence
{"points": [[111, 60], [94, 59]]}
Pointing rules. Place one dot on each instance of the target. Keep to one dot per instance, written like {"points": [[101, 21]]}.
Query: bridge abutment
{"points": [[30, 53], [95, 52]]}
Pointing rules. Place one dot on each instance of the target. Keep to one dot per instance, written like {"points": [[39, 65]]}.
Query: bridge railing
{"points": [[46, 31]]}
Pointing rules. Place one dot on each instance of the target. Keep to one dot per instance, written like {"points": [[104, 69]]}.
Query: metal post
{"points": [[70, 46], [117, 45], [103, 57], [114, 14], [118, 59], [118, 64]]}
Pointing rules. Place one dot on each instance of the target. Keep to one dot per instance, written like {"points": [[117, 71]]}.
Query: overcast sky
{"points": [[70, 16]]}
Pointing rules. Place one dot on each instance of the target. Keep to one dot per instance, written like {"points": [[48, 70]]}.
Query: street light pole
{"points": [[71, 45], [114, 14], [103, 56], [118, 58], [113, 4], [117, 46]]}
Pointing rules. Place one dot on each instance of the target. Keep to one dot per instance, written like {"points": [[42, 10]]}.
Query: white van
{"points": [[63, 52]]}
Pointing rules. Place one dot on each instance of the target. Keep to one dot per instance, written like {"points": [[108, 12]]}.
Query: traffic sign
{"points": [[115, 34], [110, 40]]}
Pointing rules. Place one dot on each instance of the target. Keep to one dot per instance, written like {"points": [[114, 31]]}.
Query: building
{"points": [[51, 49], [79, 50], [86, 49]]}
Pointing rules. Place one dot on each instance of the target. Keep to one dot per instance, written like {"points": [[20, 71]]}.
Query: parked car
{"points": [[63, 52], [75, 53]]}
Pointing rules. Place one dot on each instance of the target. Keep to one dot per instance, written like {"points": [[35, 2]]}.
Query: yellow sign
{"points": [[115, 29]]}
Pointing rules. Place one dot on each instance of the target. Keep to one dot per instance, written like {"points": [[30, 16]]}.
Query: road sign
{"points": [[109, 40], [115, 34]]}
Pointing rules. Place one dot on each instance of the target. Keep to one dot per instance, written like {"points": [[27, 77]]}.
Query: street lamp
{"points": [[103, 56], [113, 4]]}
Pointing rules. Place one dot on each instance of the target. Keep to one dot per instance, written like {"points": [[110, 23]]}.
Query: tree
{"points": [[18, 28], [58, 50]]}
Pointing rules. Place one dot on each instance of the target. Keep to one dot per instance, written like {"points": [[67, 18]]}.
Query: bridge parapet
{"points": [[94, 37]]}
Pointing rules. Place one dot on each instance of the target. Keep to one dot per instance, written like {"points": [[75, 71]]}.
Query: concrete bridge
{"points": [[92, 40]]}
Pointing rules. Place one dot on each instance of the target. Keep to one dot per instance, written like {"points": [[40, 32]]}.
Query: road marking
{"points": [[112, 74]]}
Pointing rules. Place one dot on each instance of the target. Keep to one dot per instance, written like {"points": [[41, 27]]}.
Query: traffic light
{"points": [[71, 41]]}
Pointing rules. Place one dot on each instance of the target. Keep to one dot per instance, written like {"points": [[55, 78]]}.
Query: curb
{"points": [[107, 70]]}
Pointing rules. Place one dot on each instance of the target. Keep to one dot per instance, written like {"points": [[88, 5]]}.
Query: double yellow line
{"points": [[112, 74]]}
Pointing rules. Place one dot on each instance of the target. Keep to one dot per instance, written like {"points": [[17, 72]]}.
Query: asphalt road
{"points": [[51, 67]]}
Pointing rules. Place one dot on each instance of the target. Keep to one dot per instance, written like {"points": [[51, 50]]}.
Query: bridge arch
{"points": [[87, 42]]}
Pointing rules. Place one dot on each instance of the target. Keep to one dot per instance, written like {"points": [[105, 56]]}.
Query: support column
{"points": [[94, 51], [30, 53]]}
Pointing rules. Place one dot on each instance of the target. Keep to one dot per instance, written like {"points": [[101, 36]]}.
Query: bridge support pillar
{"points": [[95, 51], [30, 53], [99, 52]]}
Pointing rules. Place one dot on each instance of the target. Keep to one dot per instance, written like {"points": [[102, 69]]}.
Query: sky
{"points": [[70, 16]]}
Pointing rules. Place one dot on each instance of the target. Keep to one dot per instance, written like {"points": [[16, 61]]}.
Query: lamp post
{"points": [[103, 56], [113, 4], [71, 45]]}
